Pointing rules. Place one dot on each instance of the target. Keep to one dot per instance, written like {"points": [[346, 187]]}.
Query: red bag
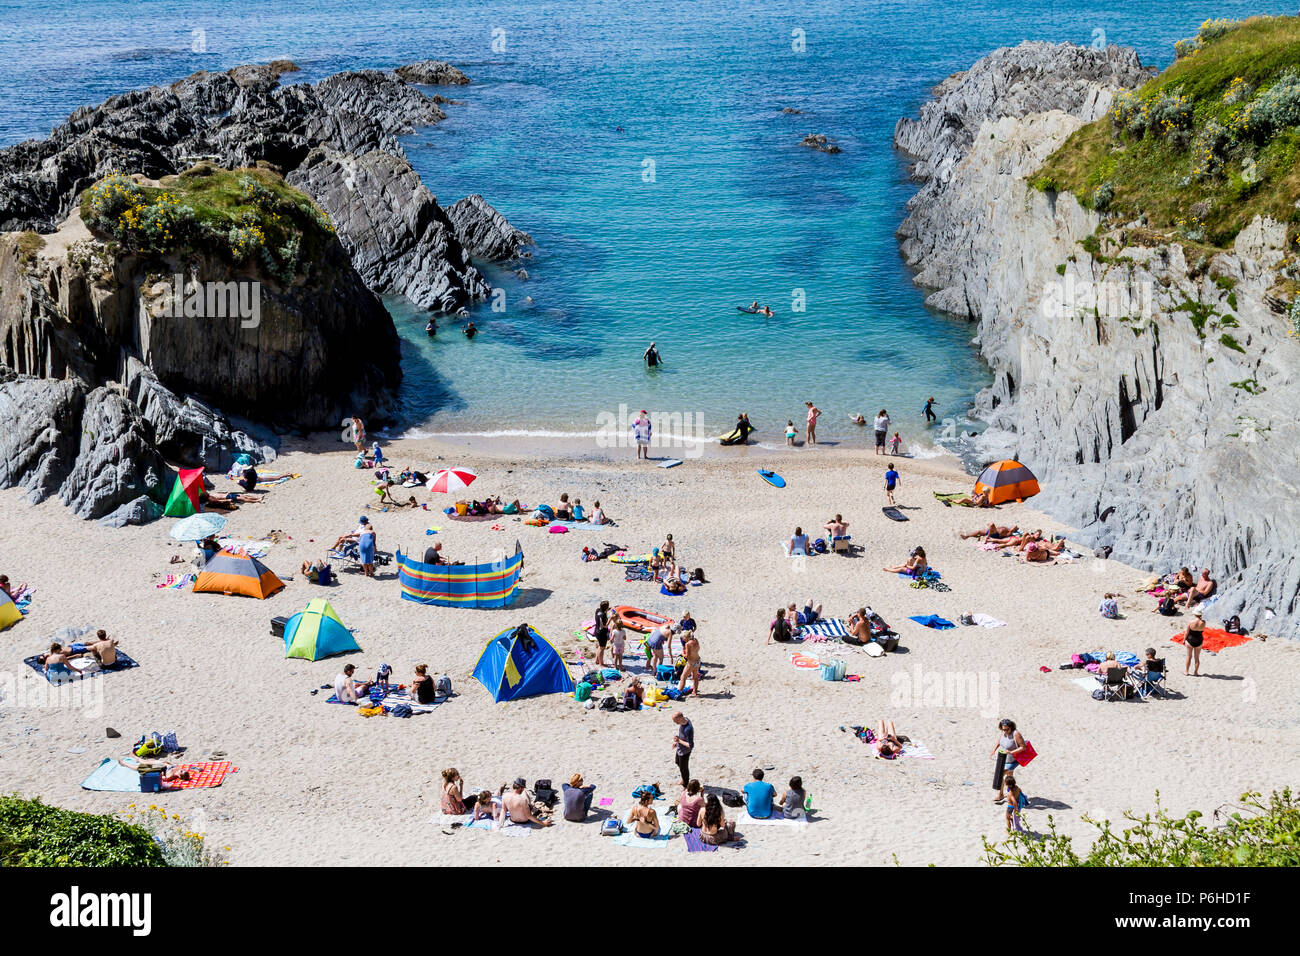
{"points": [[1026, 755]]}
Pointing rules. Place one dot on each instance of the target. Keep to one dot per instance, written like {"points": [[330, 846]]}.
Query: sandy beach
{"points": [[317, 784]]}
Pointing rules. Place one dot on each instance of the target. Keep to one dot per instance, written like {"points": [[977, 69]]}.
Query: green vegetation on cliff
{"points": [[1204, 147], [245, 215], [35, 834]]}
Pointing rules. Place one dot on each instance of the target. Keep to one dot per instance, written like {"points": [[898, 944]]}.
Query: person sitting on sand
{"points": [[779, 630], [859, 628], [759, 795], [433, 555], [579, 513], [886, 742], [347, 690], [798, 543], [643, 819], [56, 661], [248, 479], [715, 828], [837, 527], [103, 649], [809, 614], [915, 565], [597, 515], [633, 695], [980, 500], [1184, 580], [454, 802], [424, 689], [794, 801], [6, 586], [1199, 591], [484, 808], [690, 804], [577, 798], [516, 808], [564, 510]]}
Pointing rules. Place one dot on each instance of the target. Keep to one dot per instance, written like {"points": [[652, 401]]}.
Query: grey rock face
{"points": [[1136, 421], [819, 142], [91, 449], [392, 227], [432, 73], [186, 431], [485, 233]]}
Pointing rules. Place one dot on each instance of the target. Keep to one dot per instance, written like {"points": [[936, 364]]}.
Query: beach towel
{"points": [[394, 698], [987, 620], [776, 820], [254, 549], [628, 838], [805, 661], [1215, 639], [916, 749], [929, 574], [123, 663], [1087, 683], [932, 620], [202, 775], [695, 845], [278, 481], [580, 525], [112, 776], [456, 517], [176, 582], [822, 630]]}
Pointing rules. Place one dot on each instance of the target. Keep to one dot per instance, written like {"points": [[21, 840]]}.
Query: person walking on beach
{"points": [[641, 431], [1010, 742], [813, 413], [683, 744], [882, 430], [1194, 638], [691, 672], [359, 435], [652, 357], [891, 482], [930, 416], [895, 444]]}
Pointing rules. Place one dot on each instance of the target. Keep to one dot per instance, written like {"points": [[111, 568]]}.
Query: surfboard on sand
{"points": [[772, 478], [894, 513], [670, 463]]}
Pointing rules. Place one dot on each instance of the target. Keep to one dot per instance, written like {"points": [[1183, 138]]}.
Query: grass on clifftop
{"points": [[244, 215], [1204, 147]]}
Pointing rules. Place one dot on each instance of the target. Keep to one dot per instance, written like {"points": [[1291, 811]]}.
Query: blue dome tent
{"points": [[519, 662]]}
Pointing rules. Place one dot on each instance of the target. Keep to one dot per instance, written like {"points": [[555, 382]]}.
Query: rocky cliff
{"points": [[1151, 384]]}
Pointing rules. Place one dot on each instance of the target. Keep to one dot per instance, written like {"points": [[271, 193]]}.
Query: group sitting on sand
{"points": [[103, 650], [1187, 590]]}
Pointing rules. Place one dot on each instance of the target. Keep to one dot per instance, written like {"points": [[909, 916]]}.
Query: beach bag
{"points": [[1233, 625], [150, 745], [609, 703], [1098, 694], [401, 710], [731, 798], [443, 686], [819, 546], [544, 792], [1026, 755], [611, 826], [582, 691], [833, 669], [1166, 607], [673, 693], [664, 672]]}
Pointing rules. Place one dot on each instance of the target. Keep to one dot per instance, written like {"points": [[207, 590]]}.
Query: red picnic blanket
{"points": [[1215, 639], [202, 775]]}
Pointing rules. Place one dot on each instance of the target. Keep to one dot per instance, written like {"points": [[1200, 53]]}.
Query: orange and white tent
{"points": [[1006, 480]]}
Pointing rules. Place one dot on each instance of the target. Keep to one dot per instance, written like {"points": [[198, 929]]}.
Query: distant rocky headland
{"points": [[1125, 244], [214, 248]]}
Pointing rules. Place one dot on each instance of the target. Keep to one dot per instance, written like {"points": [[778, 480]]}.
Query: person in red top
{"points": [[813, 413]]}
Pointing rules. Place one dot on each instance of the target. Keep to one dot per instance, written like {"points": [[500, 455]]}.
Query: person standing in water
{"points": [[882, 429], [930, 416], [641, 432], [431, 329], [813, 413], [652, 357]]}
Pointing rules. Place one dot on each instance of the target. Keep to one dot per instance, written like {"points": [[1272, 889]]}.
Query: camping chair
{"points": [[840, 544], [1113, 682], [1151, 682]]}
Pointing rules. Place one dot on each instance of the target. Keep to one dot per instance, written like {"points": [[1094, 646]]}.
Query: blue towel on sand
{"points": [[111, 775], [123, 663], [933, 620]]}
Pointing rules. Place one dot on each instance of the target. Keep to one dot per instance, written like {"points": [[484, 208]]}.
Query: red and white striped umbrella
{"points": [[451, 479]]}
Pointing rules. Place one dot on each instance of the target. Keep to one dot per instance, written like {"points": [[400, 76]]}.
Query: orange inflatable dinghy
{"points": [[635, 619]]}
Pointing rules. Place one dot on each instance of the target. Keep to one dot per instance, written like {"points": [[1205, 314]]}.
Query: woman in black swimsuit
{"points": [[601, 632], [1194, 638]]}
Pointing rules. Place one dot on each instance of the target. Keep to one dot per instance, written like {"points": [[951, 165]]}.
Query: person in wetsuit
{"points": [[432, 328], [470, 330], [652, 357]]}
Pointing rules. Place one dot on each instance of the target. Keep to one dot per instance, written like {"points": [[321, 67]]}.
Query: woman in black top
{"points": [[601, 632], [424, 690], [780, 630]]}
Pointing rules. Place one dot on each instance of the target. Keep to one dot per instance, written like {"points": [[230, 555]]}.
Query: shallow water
{"points": [[644, 147]]}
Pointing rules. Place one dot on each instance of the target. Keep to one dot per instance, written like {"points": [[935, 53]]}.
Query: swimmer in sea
{"points": [[432, 328], [858, 419], [767, 311], [470, 330], [652, 357]]}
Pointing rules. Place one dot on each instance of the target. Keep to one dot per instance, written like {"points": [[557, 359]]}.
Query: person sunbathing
{"points": [[980, 500], [516, 808], [1020, 540], [1041, 550], [837, 527], [347, 690], [56, 661], [643, 819], [170, 772], [809, 614], [993, 532], [673, 583], [597, 515], [6, 586], [564, 510], [352, 537], [916, 564], [859, 628], [103, 649], [886, 742], [1199, 592], [1184, 580]]}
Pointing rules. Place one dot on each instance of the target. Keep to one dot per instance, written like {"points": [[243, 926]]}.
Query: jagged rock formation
{"points": [[484, 232], [432, 73], [91, 448], [1154, 397], [397, 235], [819, 142], [239, 118]]}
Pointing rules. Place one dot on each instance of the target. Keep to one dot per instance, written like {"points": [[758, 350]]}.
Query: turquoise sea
{"points": [[644, 147]]}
